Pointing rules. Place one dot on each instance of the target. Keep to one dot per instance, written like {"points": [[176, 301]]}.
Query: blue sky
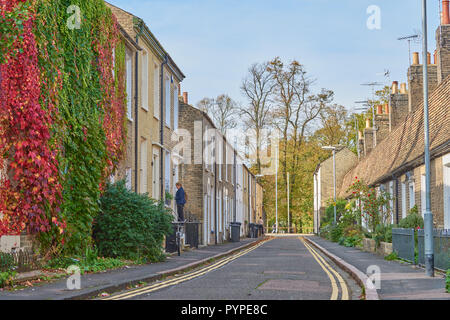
{"points": [[215, 41]]}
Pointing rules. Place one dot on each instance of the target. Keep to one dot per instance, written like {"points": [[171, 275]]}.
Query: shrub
{"points": [[351, 241], [335, 233], [413, 220], [329, 211], [131, 225], [89, 262], [6, 262], [382, 233], [6, 278]]}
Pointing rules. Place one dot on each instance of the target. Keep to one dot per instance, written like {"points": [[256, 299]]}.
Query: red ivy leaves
{"points": [[29, 189], [113, 100]]}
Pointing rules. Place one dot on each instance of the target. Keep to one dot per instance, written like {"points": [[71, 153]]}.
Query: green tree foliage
{"points": [[131, 225]]}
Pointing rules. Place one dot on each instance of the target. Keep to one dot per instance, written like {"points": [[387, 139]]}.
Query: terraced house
{"points": [[220, 187], [152, 112], [393, 152]]}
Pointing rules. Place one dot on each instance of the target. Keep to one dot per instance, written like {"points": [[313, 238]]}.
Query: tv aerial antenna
{"points": [[412, 38], [386, 73]]}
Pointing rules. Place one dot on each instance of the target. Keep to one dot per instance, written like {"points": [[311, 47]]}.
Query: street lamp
{"points": [[428, 215], [334, 175]]}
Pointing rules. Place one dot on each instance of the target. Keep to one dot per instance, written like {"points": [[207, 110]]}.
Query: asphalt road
{"points": [[278, 269]]}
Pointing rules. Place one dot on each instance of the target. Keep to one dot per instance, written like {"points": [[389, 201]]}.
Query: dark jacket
{"points": [[180, 196]]}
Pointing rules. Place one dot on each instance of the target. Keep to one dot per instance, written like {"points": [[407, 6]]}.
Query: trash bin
{"points": [[235, 231], [253, 230]]}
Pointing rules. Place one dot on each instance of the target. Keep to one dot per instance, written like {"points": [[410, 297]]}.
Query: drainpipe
{"points": [[235, 188], [397, 209], [161, 129], [136, 111], [215, 201]]}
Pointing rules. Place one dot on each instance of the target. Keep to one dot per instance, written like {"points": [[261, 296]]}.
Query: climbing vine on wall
{"points": [[29, 190], [65, 124]]}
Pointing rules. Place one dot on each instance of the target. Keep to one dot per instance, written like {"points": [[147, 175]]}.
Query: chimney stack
{"points": [[443, 44], [382, 121], [185, 98], [416, 60], [415, 78], [445, 12], [369, 142], [398, 106]]}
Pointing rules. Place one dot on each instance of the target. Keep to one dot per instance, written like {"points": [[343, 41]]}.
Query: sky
{"points": [[214, 42]]}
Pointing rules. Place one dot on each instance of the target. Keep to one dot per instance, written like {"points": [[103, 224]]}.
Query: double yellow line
{"points": [[183, 278], [330, 272]]}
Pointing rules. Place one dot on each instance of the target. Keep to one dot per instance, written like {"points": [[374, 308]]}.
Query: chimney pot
{"points": [[395, 87], [403, 88], [360, 135], [445, 12], [367, 123], [185, 98], [428, 58], [416, 60], [380, 109], [386, 108], [435, 56]]}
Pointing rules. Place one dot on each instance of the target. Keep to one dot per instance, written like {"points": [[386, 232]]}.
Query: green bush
{"points": [[351, 241], [413, 220], [335, 233], [89, 262], [329, 211], [382, 234], [6, 278], [6, 262], [131, 225]]}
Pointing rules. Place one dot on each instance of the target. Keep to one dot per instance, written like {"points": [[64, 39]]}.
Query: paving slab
{"points": [[398, 281]]}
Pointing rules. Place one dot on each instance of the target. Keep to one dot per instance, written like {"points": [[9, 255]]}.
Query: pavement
{"points": [[398, 281], [114, 280], [282, 268]]}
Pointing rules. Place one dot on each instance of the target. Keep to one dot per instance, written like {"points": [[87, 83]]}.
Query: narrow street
{"points": [[282, 268]]}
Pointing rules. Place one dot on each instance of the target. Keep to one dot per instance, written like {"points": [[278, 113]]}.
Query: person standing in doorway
{"points": [[180, 198]]}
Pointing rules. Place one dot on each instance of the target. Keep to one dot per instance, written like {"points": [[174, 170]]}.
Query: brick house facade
{"points": [[155, 113], [220, 188]]}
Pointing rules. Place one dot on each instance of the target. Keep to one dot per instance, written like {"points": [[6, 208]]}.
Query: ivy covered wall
{"points": [[62, 117]]}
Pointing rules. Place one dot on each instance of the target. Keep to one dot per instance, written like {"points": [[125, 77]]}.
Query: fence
{"points": [[19, 261], [403, 243], [441, 240]]}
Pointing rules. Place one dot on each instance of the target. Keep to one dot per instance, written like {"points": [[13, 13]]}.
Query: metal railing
{"points": [[441, 240], [20, 261], [403, 243]]}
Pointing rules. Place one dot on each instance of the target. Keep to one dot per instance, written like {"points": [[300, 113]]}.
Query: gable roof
{"points": [[403, 148]]}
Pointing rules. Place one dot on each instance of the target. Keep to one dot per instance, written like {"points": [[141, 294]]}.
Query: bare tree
{"points": [[257, 87], [221, 110]]}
